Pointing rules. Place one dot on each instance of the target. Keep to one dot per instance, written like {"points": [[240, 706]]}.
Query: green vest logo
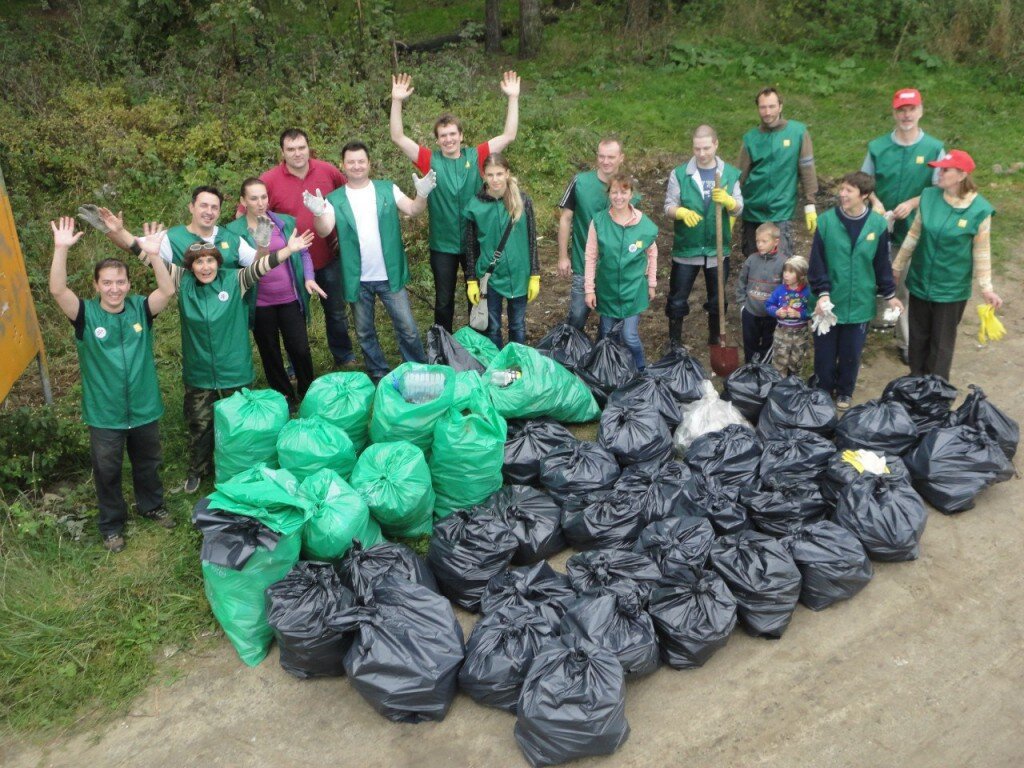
{"points": [[101, 332]]}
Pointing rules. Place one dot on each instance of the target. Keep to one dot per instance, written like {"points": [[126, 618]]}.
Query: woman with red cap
{"points": [[947, 247]]}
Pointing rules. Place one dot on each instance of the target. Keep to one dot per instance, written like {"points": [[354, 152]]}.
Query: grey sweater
{"points": [[760, 275]]}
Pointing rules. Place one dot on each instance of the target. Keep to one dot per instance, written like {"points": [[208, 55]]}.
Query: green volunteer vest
{"points": [[214, 332], [943, 262], [115, 353], [902, 173], [458, 181], [769, 193], [180, 239], [240, 227], [591, 197], [621, 278], [692, 242], [512, 275], [851, 265], [350, 259]]}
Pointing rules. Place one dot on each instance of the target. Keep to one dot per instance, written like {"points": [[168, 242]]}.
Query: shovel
{"points": [[724, 360]]}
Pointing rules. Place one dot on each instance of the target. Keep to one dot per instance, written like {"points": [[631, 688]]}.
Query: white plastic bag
{"points": [[709, 414]]}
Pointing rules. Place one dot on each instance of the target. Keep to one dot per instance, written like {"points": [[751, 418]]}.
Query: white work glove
{"points": [[822, 323], [263, 232], [891, 314], [872, 462], [315, 204], [425, 185], [90, 214]]}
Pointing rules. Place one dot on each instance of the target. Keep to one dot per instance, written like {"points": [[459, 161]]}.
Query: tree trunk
{"points": [[638, 14], [530, 28], [492, 26]]}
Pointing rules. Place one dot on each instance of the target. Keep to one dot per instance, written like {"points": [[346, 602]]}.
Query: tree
{"points": [[530, 28], [492, 26]]}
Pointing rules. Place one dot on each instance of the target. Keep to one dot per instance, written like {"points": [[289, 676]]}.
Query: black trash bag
{"points": [[881, 426], [762, 577], [926, 398], [885, 514], [748, 386], [694, 613], [572, 703], [952, 465], [609, 366], [841, 473], [634, 433], [603, 520], [602, 569], [466, 549], [499, 652], [229, 540], [528, 442], [794, 405], [658, 486], [786, 507], [534, 518], [361, 567], [577, 469], [298, 608], [566, 345], [683, 374], [539, 586], [618, 622], [677, 544], [650, 390], [833, 563], [444, 349], [706, 496], [795, 454], [406, 652], [732, 454], [978, 411]]}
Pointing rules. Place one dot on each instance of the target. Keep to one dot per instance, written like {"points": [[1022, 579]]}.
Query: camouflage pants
{"points": [[789, 350], [199, 422]]}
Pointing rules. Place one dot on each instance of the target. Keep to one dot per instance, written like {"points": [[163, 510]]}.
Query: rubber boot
{"points": [[675, 333], [713, 330]]}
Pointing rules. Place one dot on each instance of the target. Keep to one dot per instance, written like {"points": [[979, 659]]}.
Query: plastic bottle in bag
{"points": [[420, 386], [502, 378]]}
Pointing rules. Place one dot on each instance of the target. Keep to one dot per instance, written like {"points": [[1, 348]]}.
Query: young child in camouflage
{"points": [[788, 304]]}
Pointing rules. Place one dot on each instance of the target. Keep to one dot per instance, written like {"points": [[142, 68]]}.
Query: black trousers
{"points": [[932, 327], [271, 325], [445, 268], [107, 447]]}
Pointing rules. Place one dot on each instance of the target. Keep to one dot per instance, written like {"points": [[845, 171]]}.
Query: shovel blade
{"points": [[724, 360]]}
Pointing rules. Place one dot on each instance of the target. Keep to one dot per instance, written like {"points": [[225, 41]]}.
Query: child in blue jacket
{"points": [[788, 304]]}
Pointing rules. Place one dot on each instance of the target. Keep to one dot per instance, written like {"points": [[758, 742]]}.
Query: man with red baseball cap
{"points": [[899, 161]]}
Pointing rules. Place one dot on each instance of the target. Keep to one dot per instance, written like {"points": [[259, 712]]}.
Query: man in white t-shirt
{"points": [[372, 258]]}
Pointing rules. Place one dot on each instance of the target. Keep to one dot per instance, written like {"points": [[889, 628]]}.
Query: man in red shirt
{"points": [[298, 172]]}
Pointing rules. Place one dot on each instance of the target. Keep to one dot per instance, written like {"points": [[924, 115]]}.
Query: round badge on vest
{"points": [[632, 248], [223, 295], [100, 333]]}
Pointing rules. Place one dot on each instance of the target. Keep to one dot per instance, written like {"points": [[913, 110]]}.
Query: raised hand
{"points": [[64, 235], [90, 214], [153, 233], [401, 86], [297, 242], [263, 232], [315, 204], [510, 84]]}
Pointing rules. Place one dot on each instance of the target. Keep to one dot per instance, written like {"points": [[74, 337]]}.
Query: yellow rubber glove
{"points": [[811, 217], [473, 292], [719, 195], [991, 328], [688, 217], [533, 289]]}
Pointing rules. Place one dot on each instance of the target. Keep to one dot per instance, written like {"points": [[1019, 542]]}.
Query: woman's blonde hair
{"points": [[513, 198]]}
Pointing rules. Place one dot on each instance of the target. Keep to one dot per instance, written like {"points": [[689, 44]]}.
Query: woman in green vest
{"points": [[849, 266], [621, 265], [513, 270], [951, 238], [278, 308]]}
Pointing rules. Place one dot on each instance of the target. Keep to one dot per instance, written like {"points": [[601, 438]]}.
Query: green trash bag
{"points": [[270, 495], [245, 429], [394, 480], [544, 389], [478, 345], [343, 399], [469, 451], [466, 384], [395, 419], [337, 515], [305, 446]]}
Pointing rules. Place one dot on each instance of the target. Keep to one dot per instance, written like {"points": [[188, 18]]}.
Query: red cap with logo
{"points": [[906, 97], [955, 158]]}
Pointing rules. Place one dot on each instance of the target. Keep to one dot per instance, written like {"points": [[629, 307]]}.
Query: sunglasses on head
{"points": [[196, 247]]}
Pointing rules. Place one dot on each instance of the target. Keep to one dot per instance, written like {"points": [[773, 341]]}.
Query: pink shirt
{"points": [[590, 257]]}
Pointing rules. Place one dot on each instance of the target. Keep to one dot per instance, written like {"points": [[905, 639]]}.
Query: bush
{"points": [[40, 445]]}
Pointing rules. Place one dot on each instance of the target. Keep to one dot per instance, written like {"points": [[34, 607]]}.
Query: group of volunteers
{"points": [[306, 227]]}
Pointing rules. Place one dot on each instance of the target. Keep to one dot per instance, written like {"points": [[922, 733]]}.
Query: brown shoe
{"points": [[114, 543], [160, 516]]}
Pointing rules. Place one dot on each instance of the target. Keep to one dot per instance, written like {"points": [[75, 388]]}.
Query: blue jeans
{"points": [[837, 357], [335, 319], [630, 336], [516, 318], [400, 311], [680, 283], [578, 309]]}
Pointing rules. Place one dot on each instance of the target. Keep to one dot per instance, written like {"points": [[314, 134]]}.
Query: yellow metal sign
{"points": [[20, 338]]}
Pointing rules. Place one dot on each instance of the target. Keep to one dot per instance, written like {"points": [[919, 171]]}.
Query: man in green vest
{"points": [[372, 257], [776, 158], [586, 194], [899, 162], [120, 394], [458, 170], [693, 190]]}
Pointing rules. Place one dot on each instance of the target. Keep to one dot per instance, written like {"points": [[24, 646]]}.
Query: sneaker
{"points": [[160, 516], [113, 543], [192, 483], [842, 403]]}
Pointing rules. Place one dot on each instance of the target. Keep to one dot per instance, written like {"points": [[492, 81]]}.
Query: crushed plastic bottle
{"points": [[505, 377], [419, 387]]}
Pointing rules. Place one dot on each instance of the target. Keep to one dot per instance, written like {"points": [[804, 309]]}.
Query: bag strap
{"points": [[500, 250]]}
